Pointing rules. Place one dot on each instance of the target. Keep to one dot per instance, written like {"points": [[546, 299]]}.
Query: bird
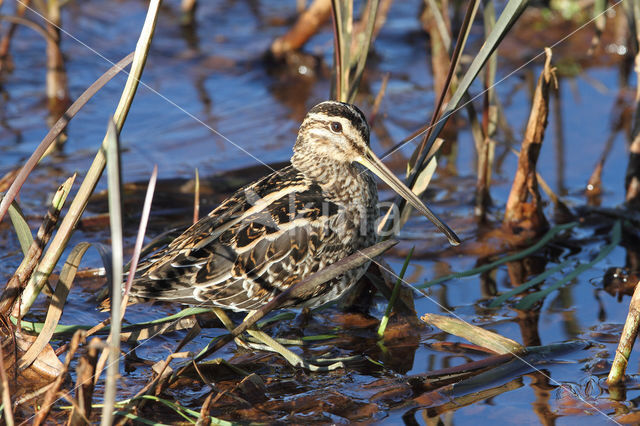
{"points": [[278, 230]]}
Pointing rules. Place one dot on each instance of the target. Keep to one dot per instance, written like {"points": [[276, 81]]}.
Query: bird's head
{"points": [[337, 132]]}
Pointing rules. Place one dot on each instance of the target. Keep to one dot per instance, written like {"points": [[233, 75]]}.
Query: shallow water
{"points": [[209, 102]]}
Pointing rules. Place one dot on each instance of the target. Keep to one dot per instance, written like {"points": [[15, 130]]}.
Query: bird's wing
{"points": [[253, 246]]}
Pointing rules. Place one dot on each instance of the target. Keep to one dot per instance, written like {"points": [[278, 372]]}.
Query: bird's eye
{"points": [[336, 127]]}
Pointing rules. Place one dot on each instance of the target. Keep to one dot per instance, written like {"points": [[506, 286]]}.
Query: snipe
{"points": [[285, 226]]}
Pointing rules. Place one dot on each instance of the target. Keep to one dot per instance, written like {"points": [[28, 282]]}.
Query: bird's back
{"points": [[256, 244]]}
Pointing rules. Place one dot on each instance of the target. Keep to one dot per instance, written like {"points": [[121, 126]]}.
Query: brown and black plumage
{"points": [[283, 227]]}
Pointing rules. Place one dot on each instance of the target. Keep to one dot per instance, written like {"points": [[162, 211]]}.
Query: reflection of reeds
{"points": [[486, 145], [58, 97], [306, 25], [188, 9], [632, 179], [53, 133], [5, 44]]}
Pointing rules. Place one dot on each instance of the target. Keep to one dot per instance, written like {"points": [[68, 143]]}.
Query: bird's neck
{"points": [[322, 170], [338, 180]]}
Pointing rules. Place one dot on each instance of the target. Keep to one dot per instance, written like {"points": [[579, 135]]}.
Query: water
{"points": [[209, 102]]}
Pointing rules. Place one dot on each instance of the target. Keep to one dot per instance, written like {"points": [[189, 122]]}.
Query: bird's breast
{"points": [[356, 195]]}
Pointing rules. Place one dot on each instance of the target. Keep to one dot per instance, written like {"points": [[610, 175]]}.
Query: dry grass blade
{"points": [[134, 334], [421, 184], [144, 219], [423, 179], [30, 261], [115, 218], [6, 396], [50, 396], [474, 334], [526, 360], [520, 214], [456, 403], [351, 46], [60, 125], [79, 203], [437, 378], [204, 419], [84, 384], [419, 169], [57, 304], [475, 388], [196, 198]]}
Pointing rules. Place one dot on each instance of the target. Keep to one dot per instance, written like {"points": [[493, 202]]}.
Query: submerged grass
{"points": [[498, 301], [616, 236], [544, 240], [394, 295], [189, 415]]}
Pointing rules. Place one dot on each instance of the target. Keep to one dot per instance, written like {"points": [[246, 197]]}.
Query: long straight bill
{"points": [[373, 163]]}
